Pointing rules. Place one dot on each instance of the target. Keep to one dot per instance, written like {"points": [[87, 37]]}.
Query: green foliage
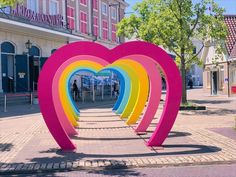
{"points": [[174, 23], [4, 3]]}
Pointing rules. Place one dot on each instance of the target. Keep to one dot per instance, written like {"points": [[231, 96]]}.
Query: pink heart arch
{"points": [[149, 51]]}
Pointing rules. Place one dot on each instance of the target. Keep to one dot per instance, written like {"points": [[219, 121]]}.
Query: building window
{"points": [[71, 17], [105, 30], [221, 78], [95, 26], [113, 13], [83, 22], [113, 32], [234, 76], [208, 77], [95, 4], [83, 2], [33, 5], [104, 8], [53, 7]]}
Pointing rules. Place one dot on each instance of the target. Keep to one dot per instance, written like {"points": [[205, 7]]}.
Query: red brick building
{"points": [[48, 25]]}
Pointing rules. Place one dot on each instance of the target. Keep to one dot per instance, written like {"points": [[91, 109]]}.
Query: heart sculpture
{"points": [[137, 65]]}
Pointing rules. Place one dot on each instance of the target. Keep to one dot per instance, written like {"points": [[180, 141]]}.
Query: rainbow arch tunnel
{"points": [[135, 63]]}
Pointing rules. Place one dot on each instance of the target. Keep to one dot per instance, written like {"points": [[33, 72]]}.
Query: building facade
{"points": [[219, 75], [32, 31]]}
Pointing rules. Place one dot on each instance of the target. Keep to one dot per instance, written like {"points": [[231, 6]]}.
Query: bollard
{"points": [[31, 98], [102, 91], [5, 103]]}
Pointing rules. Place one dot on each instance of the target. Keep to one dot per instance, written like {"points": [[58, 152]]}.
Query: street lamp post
{"points": [[28, 46]]}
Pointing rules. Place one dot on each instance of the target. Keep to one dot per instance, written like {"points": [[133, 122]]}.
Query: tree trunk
{"points": [[183, 74]]}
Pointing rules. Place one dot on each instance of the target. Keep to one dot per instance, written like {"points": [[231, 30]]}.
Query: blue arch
{"points": [[125, 87], [76, 109], [122, 86]]}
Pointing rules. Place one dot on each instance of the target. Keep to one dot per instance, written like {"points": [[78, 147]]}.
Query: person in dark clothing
{"points": [[75, 91], [190, 83]]}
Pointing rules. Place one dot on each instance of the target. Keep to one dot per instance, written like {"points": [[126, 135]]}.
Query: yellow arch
{"points": [[139, 89]]}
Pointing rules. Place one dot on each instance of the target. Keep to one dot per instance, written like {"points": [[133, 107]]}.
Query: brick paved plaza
{"points": [[106, 142]]}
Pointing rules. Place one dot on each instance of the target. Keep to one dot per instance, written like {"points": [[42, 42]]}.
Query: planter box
{"points": [[189, 108]]}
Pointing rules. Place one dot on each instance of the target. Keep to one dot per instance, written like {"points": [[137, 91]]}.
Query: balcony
{"points": [[26, 16]]}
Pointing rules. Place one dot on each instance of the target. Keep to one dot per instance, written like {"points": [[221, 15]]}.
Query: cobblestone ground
{"points": [[105, 141]]}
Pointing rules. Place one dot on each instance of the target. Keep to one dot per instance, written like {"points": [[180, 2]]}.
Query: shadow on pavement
{"points": [[19, 110], [170, 149], [110, 170], [217, 112], [211, 101], [5, 147]]}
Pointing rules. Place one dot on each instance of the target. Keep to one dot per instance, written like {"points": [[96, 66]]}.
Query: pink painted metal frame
{"points": [[139, 51]]}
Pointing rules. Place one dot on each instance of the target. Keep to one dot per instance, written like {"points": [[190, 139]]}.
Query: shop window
{"points": [[83, 22], [33, 5], [7, 62], [233, 76], [54, 7], [104, 29], [34, 51], [104, 8], [7, 47]]}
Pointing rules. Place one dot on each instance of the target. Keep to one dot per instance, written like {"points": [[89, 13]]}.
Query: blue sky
{"points": [[229, 5]]}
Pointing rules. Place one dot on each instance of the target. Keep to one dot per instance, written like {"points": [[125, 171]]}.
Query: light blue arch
{"points": [[122, 86], [71, 100], [125, 97]]}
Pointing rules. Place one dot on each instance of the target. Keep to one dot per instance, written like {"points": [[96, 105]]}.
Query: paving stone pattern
{"points": [[105, 141]]}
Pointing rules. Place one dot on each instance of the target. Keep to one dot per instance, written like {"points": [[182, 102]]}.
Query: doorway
{"points": [[34, 67], [214, 87], [8, 66]]}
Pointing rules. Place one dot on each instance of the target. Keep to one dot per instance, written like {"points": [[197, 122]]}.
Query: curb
{"points": [[35, 168]]}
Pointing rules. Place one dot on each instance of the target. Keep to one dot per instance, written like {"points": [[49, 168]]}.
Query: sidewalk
{"points": [[105, 141]]}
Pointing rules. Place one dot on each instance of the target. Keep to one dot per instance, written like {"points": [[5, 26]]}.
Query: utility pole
{"points": [[92, 21], [66, 20], [119, 18]]}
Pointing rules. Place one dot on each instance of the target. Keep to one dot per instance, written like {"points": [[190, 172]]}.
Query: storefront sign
{"points": [[52, 20], [233, 89], [21, 75]]}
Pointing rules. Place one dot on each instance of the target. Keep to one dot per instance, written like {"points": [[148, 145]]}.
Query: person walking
{"points": [[75, 91]]}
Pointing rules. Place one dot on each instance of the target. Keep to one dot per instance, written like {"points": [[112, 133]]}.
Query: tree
{"points": [[174, 24], [5, 3]]}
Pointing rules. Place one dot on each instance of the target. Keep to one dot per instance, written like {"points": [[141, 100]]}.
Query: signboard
{"points": [[52, 20], [233, 89], [21, 75]]}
